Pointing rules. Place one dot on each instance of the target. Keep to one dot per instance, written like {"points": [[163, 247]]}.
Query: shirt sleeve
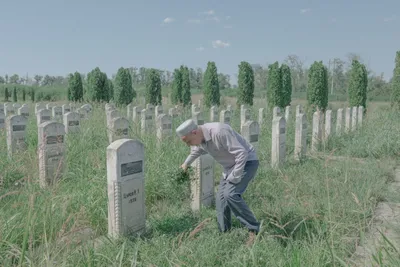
{"points": [[231, 143], [195, 152]]}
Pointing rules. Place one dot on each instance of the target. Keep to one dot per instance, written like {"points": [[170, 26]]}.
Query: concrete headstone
{"points": [[72, 122], [202, 184], [16, 134], [300, 141], [278, 149]]}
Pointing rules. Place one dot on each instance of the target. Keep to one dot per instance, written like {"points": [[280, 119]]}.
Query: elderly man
{"points": [[240, 162]]}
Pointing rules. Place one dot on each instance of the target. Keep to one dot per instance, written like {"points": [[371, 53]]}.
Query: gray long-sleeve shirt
{"points": [[227, 147]]}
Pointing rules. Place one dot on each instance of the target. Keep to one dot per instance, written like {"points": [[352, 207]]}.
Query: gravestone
{"points": [[173, 112], [125, 187], [354, 119], [49, 106], [150, 108], [276, 112], [72, 107], [347, 126], [16, 106], [43, 115], [287, 113], [136, 115], [146, 118], [164, 127], [119, 129], [72, 122], [360, 116], [229, 108], [65, 109], [316, 130], [225, 117], [129, 111], [23, 111], [202, 184], [198, 118], [88, 108], [244, 117], [299, 110], [300, 141], [158, 111], [328, 124], [278, 149], [2, 120], [16, 134], [339, 121], [261, 116], [213, 114], [51, 152], [57, 112], [195, 109], [8, 110], [39, 106], [251, 132], [110, 115]]}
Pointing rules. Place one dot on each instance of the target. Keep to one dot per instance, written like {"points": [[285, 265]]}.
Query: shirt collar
{"points": [[206, 134]]}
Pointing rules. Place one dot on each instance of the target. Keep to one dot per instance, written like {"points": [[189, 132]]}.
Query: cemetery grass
{"points": [[312, 212]]}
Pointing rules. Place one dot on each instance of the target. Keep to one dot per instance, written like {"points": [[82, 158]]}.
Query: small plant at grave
{"points": [[180, 176]]}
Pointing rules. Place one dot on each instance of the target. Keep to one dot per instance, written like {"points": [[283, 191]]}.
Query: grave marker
{"points": [[251, 132], [57, 112], [126, 195], [119, 129], [65, 109], [202, 184], [43, 115], [287, 113], [276, 112], [173, 112], [158, 111], [300, 141], [225, 117], [354, 119], [261, 115], [278, 149], [347, 120], [72, 122], [2, 120], [328, 124], [16, 134], [339, 121], [360, 116], [51, 152], [213, 114], [316, 130], [146, 118], [198, 118], [299, 110], [23, 111]]}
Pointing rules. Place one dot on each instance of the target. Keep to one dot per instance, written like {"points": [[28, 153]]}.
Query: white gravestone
{"points": [[198, 118], [316, 130], [126, 195], [339, 121], [360, 116], [276, 112], [299, 110], [57, 112], [213, 114], [244, 117], [16, 106], [261, 116], [164, 127], [43, 115], [158, 111], [300, 141], [229, 108], [72, 107], [278, 149], [51, 152], [2, 120], [146, 118], [150, 108], [16, 134], [65, 109], [49, 106], [354, 119], [72, 122], [23, 111], [110, 115], [128, 111], [195, 109], [119, 129], [225, 117], [328, 124], [88, 108], [202, 184], [347, 126], [136, 115], [38, 107], [173, 112], [251, 132], [8, 110], [287, 113]]}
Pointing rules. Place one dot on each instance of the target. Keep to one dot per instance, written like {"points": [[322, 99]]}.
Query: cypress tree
{"points": [[32, 95], [123, 90], [245, 84], [97, 85], [395, 96], [153, 87], [23, 95], [110, 88], [6, 95], [317, 91], [211, 86], [14, 95], [358, 85], [176, 96], [75, 86], [286, 85], [186, 94], [274, 86]]}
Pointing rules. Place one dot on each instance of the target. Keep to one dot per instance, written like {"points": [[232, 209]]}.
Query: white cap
{"points": [[186, 127]]}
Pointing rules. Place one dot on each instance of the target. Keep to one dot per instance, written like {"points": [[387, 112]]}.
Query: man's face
{"points": [[192, 139]]}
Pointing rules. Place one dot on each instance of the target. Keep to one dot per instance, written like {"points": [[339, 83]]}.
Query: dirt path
{"points": [[386, 221]]}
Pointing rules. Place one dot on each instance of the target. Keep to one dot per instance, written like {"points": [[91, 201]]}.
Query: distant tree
{"points": [[14, 95], [6, 95], [245, 84], [317, 92], [275, 95], [358, 84], [2, 80], [153, 87], [38, 78], [96, 87], [14, 79], [23, 95], [211, 86], [286, 85], [110, 88], [186, 93], [75, 87], [395, 95], [123, 89], [176, 96]]}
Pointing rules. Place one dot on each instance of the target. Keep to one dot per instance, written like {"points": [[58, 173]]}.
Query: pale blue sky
{"points": [[58, 37]]}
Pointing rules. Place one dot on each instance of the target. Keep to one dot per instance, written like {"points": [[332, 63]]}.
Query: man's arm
{"points": [[195, 152], [230, 142]]}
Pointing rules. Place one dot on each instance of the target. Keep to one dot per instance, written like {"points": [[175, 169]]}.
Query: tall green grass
{"points": [[312, 212]]}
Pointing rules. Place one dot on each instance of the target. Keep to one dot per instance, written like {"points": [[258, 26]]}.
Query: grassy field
{"points": [[312, 212]]}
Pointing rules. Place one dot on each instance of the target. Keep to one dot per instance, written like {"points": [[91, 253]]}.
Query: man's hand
{"points": [[184, 167]]}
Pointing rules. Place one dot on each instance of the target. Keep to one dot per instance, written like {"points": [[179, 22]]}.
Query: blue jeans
{"points": [[229, 199]]}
